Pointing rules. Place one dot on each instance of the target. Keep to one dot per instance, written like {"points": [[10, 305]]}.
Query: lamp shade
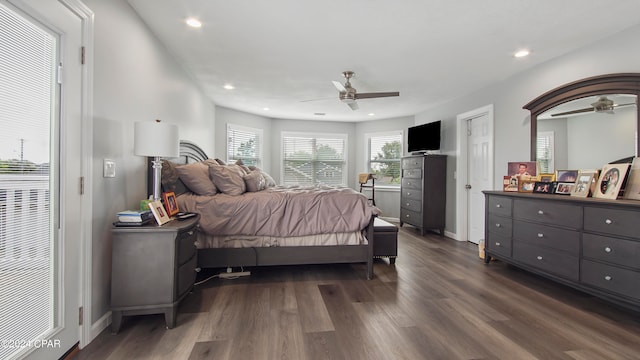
{"points": [[156, 138]]}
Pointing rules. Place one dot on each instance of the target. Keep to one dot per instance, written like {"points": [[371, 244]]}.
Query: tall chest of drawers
{"points": [[589, 244], [423, 187]]}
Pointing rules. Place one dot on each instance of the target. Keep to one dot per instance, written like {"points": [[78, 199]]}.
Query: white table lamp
{"points": [[156, 139]]}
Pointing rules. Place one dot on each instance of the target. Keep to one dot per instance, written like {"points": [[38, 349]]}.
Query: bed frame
{"points": [[280, 255]]}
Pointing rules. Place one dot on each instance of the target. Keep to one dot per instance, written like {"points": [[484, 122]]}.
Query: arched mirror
{"points": [[587, 123]]}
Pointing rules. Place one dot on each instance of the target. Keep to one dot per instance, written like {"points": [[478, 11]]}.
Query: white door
{"points": [[41, 237], [479, 173]]}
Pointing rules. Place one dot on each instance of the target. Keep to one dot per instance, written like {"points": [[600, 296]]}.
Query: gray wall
{"points": [[619, 53], [135, 79]]}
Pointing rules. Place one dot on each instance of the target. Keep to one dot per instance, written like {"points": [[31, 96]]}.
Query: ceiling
{"points": [[279, 53]]}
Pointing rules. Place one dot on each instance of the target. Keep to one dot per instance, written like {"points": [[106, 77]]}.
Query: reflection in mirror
{"points": [[587, 133]]}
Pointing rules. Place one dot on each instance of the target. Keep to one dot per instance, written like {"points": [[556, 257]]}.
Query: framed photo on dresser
{"points": [[610, 181], [632, 190]]}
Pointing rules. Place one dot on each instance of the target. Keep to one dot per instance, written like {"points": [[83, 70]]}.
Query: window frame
{"points": [[315, 135]]}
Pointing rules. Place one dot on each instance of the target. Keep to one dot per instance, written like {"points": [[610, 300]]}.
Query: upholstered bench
{"points": [[385, 240]]}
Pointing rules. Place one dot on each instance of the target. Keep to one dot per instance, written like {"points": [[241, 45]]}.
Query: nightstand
{"points": [[153, 269]]}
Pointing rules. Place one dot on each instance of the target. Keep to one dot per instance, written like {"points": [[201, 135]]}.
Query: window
{"points": [[27, 222], [314, 159], [244, 143], [544, 152], [384, 151]]}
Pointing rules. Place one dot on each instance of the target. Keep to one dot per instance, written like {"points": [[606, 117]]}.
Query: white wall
{"points": [[135, 79], [617, 54]]}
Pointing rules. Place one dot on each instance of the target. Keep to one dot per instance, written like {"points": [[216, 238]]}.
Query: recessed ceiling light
{"points": [[193, 22], [320, 114], [521, 53], [371, 114], [228, 87], [266, 109]]}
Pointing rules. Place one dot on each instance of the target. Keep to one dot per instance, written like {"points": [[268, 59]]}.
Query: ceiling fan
{"points": [[349, 95], [603, 104]]}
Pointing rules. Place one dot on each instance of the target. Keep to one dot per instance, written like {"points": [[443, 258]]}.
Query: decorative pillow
{"points": [[228, 179], [269, 180], [196, 178], [170, 179], [255, 181]]}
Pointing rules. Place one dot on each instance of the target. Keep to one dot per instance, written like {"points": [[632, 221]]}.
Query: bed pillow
{"points": [[244, 167], [228, 179], [196, 178], [170, 179], [255, 181]]}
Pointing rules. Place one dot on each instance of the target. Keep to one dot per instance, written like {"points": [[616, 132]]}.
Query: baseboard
{"points": [[99, 326], [454, 236]]}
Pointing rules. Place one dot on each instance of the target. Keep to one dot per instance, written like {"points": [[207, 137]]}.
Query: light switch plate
{"points": [[109, 168]]}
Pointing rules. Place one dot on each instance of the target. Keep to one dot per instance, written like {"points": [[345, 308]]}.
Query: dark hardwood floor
{"points": [[439, 301]]}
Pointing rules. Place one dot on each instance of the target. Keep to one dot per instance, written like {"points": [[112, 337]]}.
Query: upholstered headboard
{"points": [[189, 153]]}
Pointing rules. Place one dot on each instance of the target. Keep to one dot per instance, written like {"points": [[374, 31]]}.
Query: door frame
{"points": [[462, 166], [87, 331]]}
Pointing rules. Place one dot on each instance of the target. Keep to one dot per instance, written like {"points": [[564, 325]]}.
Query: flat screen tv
{"points": [[423, 138]]}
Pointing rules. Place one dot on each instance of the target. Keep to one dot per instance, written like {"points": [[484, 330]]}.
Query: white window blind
{"points": [[314, 159], [244, 143], [27, 78], [544, 151], [383, 156]]}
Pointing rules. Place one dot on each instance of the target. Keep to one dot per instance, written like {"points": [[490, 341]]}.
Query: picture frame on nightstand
{"points": [[170, 203], [159, 212]]}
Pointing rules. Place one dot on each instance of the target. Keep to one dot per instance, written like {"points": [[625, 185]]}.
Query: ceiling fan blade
{"points": [[339, 86], [353, 105], [574, 112], [318, 99], [621, 105], [376, 95]]}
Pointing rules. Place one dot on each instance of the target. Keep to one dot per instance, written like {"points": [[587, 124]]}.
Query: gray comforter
{"points": [[281, 211]]}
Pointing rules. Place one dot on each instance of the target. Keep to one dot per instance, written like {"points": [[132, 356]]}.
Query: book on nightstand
{"points": [[133, 216]]}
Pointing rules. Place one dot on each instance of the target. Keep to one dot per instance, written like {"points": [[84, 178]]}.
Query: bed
{"points": [[270, 225]]}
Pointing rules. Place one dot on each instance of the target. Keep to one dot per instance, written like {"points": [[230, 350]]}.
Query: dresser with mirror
{"points": [[590, 244]]}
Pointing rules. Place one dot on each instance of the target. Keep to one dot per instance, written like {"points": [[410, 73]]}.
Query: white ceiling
{"points": [[278, 53]]}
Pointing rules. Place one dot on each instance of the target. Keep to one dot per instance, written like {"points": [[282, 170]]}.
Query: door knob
{"points": [[467, 186]]}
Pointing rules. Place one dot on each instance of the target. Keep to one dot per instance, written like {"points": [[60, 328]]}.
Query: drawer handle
{"points": [[607, 249], [408, 194], [540, 212], [608, 278], [498, 225], [539, 257], [540, 235], [407, 204], [498, 206], [498, 244], [608, 222], [407, 215]]}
